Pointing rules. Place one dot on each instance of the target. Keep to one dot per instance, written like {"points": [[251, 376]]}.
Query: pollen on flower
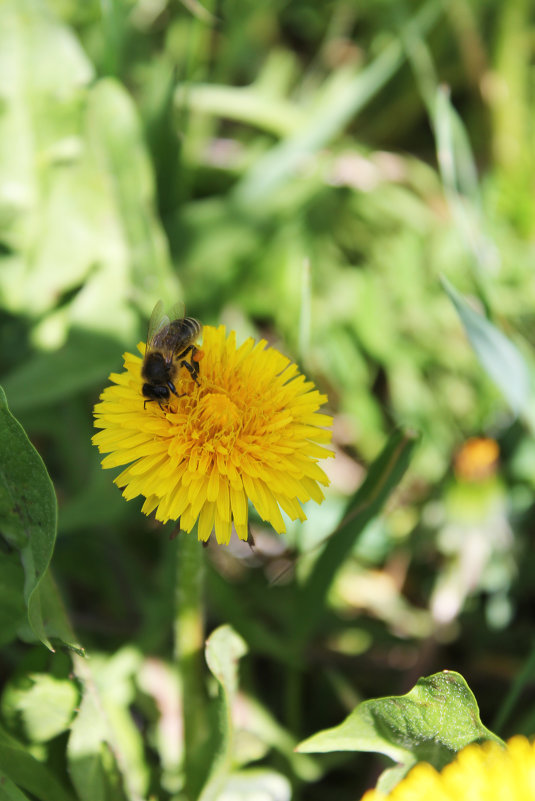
{"points": [[218, 413], [249, 429]]}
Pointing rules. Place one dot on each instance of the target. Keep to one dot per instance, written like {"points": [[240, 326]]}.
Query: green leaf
{"points": [[433, 721], [27, 510], [260, 783], [83, 362], [57, 623], [44, 704], [344, 95], [501, 360], [116, 138], [105, 751], [12, 606], [224, 648], [77, 214], [92, 765], [9, 791], [29, 774], [383, 476]]}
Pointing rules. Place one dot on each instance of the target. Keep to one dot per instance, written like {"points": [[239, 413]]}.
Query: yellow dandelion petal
{"points": [[480, 772], [223, 500], [242, 532], [292, 508], [206, 521], [223, 528], [238, 502], [212, 489], [179, 502], [250, 430], [187, 519], [151, 502]]}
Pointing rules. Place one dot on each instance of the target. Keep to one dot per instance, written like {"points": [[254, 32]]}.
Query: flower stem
{"points": [[189, 645]]}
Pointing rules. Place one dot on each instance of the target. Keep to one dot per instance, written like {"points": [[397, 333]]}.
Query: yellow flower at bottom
{"points": [[484, 772], [250, 430]]}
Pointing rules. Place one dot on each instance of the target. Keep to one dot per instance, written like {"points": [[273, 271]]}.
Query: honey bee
{"points": [[170, 346]]}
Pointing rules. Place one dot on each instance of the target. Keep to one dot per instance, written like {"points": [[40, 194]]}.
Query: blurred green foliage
{"points": [[306, 172]]}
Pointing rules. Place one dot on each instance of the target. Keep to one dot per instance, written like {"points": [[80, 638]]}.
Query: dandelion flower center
{"points": [[248, 430], [218, 413]]}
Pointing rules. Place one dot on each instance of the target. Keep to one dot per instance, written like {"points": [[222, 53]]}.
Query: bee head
{"points": [[157, 393]]}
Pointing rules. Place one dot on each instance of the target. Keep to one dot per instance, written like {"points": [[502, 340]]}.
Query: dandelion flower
{"points": [[477, 459], [484, 772], [250, 430]]}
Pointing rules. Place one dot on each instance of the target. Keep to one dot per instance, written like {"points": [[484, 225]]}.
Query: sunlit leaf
{"points": [[105, 748], [260, 783], [433, 721], [224, 649], [92, 763], [44, 705]]}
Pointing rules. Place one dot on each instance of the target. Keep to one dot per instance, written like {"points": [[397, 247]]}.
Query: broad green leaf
{"points": [[502, 361], [92, 764], [256, 783], [43, 704], [383, 476], [41, 73], [27, 510], [12, 606], [29, 774], [105, 750], [42, 77], [224, 649], [9, 790], [117, 142], [77, 200], [433, 721], [57, 623], [83, 362]]}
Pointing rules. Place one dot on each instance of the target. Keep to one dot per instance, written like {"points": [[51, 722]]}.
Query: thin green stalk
{"points": [[189, 648], [515, 691], [294, 700]]}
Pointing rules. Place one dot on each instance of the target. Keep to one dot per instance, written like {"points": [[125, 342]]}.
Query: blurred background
{"points": [[304, 172]]}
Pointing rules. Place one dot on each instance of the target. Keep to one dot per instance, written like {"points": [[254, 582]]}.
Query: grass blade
{"points": [[383, 477], [500, 359]]}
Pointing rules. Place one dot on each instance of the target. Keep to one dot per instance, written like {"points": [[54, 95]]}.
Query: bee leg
{"points": [[151, 400], [173, 390], [193, 369]]}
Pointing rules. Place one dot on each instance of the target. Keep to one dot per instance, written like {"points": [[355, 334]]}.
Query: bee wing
{"points": [[159, 321], [177, 311], [160, 335]]}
